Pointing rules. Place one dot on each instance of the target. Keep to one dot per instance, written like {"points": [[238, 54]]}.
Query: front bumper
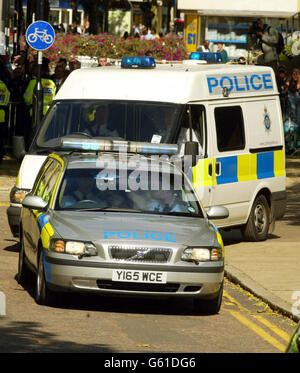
{"points": [[13, 216], [90, 275]]}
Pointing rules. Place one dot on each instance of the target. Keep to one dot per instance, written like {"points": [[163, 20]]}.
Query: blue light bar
{"points": [[118, 146], [209, 57], [138, 62]]}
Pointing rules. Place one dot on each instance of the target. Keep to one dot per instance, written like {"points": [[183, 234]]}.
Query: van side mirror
{"points": [[192, 148], [217, 212], [34, 203], [18, 147]]}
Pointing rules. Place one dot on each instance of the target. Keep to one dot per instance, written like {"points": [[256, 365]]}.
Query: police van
{"points": [[227, 117]]}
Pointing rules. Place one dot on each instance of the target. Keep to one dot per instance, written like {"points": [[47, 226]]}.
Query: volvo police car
{"points": [[227, 116], [120, 223]]}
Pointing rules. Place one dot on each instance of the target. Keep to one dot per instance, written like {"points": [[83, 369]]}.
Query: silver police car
{"points": [[119, 223]]}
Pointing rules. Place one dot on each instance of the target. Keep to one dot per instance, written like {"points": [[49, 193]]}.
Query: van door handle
{"points": [[210, 169], [218, 168]]}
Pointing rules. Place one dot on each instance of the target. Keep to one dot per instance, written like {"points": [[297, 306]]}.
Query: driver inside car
{"points": [[79, 190], [97, 123], [166, 201]]}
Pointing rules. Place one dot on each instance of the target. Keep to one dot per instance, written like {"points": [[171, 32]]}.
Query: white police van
{"points": [[227, 116]]}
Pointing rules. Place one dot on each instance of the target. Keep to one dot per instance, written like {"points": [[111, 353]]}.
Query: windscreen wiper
{"points": [[110, 209]]}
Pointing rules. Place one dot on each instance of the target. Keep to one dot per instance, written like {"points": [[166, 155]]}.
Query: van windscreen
{"points": [[133, 121]]}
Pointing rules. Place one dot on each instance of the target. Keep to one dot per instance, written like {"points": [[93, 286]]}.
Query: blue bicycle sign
{"points": [[40, 35]]}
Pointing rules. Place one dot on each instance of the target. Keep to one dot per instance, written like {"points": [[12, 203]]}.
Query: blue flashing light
{"points": [[138, 62], [209, 57], [71, 143], [118, 146]]}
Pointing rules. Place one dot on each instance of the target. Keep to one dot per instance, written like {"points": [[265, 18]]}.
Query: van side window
{"points": [[198, 128], [230, 128]]}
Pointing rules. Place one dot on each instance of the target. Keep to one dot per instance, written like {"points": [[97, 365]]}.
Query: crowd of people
{"points": [[18, 81], [271, 44], [289, 93], [17, 93]]}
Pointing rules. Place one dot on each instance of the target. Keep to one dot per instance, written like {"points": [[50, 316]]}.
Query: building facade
{"points": [[228, 21]]}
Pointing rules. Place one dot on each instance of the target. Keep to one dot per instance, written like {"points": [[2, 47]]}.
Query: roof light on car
{"points": [[138, 62], [118, 146], [206, 56]]}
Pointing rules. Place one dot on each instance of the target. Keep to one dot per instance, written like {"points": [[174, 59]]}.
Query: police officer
{"points": [[4, 100], [49, 88]]}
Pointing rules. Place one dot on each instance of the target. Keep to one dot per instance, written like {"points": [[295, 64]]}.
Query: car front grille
{"points": [[140, 254]]}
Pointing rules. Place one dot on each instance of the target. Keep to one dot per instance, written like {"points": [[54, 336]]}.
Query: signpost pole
{"points": [[39, 86], [39, 91]]}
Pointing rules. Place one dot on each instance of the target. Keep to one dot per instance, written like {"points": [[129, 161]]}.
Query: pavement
{"points": [[270, 270]]}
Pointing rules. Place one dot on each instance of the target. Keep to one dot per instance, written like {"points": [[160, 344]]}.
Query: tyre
{"points": [[209, 306], [43, 295], [258, 224], [24, 275]]}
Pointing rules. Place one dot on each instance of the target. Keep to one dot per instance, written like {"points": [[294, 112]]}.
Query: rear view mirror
{"points": [[34, 203], [217, 212]]}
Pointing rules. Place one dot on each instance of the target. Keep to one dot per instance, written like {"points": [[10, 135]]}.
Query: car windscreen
{"points": [[127, 190], [133, 121]]}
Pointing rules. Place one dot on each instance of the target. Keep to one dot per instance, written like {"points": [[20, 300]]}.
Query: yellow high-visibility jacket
{"points": [[4, 99], [49, 91]]}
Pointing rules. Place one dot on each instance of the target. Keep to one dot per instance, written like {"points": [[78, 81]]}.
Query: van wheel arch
{"points": [[260, 217]]}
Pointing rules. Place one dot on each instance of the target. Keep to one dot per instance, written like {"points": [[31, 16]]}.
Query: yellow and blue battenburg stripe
{"points": [[46, 232], [238, 168], [45, 228]]}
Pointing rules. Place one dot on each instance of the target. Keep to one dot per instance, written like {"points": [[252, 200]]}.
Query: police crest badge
{"points": [[267, 120]]}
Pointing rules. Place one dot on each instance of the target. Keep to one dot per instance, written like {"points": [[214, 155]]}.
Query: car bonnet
{"points": [[132, 228]]}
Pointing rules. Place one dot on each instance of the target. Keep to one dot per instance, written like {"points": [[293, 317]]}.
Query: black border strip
{"points": [[266, 149], [145, 267]]}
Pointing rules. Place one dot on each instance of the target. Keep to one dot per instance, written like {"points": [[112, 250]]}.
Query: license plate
{"points": [[139, 276]]}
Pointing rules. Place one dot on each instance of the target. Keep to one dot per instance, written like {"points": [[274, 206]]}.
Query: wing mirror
{"points": [[191, 148], [34, 203], [217, 212]]}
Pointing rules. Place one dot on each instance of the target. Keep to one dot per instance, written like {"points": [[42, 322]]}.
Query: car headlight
{"points": [[74, 248], [17, 195], [198, 254]]}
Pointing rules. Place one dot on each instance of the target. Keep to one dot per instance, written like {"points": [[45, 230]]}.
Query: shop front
{"points": [[228, 21]]}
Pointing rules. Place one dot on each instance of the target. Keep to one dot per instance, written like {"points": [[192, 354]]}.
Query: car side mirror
{"points": [[192, 148], [34, 203], [217, 212]]}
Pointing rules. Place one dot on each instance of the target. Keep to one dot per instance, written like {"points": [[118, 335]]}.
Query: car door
{"points": [[27, 214], [35, 220]]}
